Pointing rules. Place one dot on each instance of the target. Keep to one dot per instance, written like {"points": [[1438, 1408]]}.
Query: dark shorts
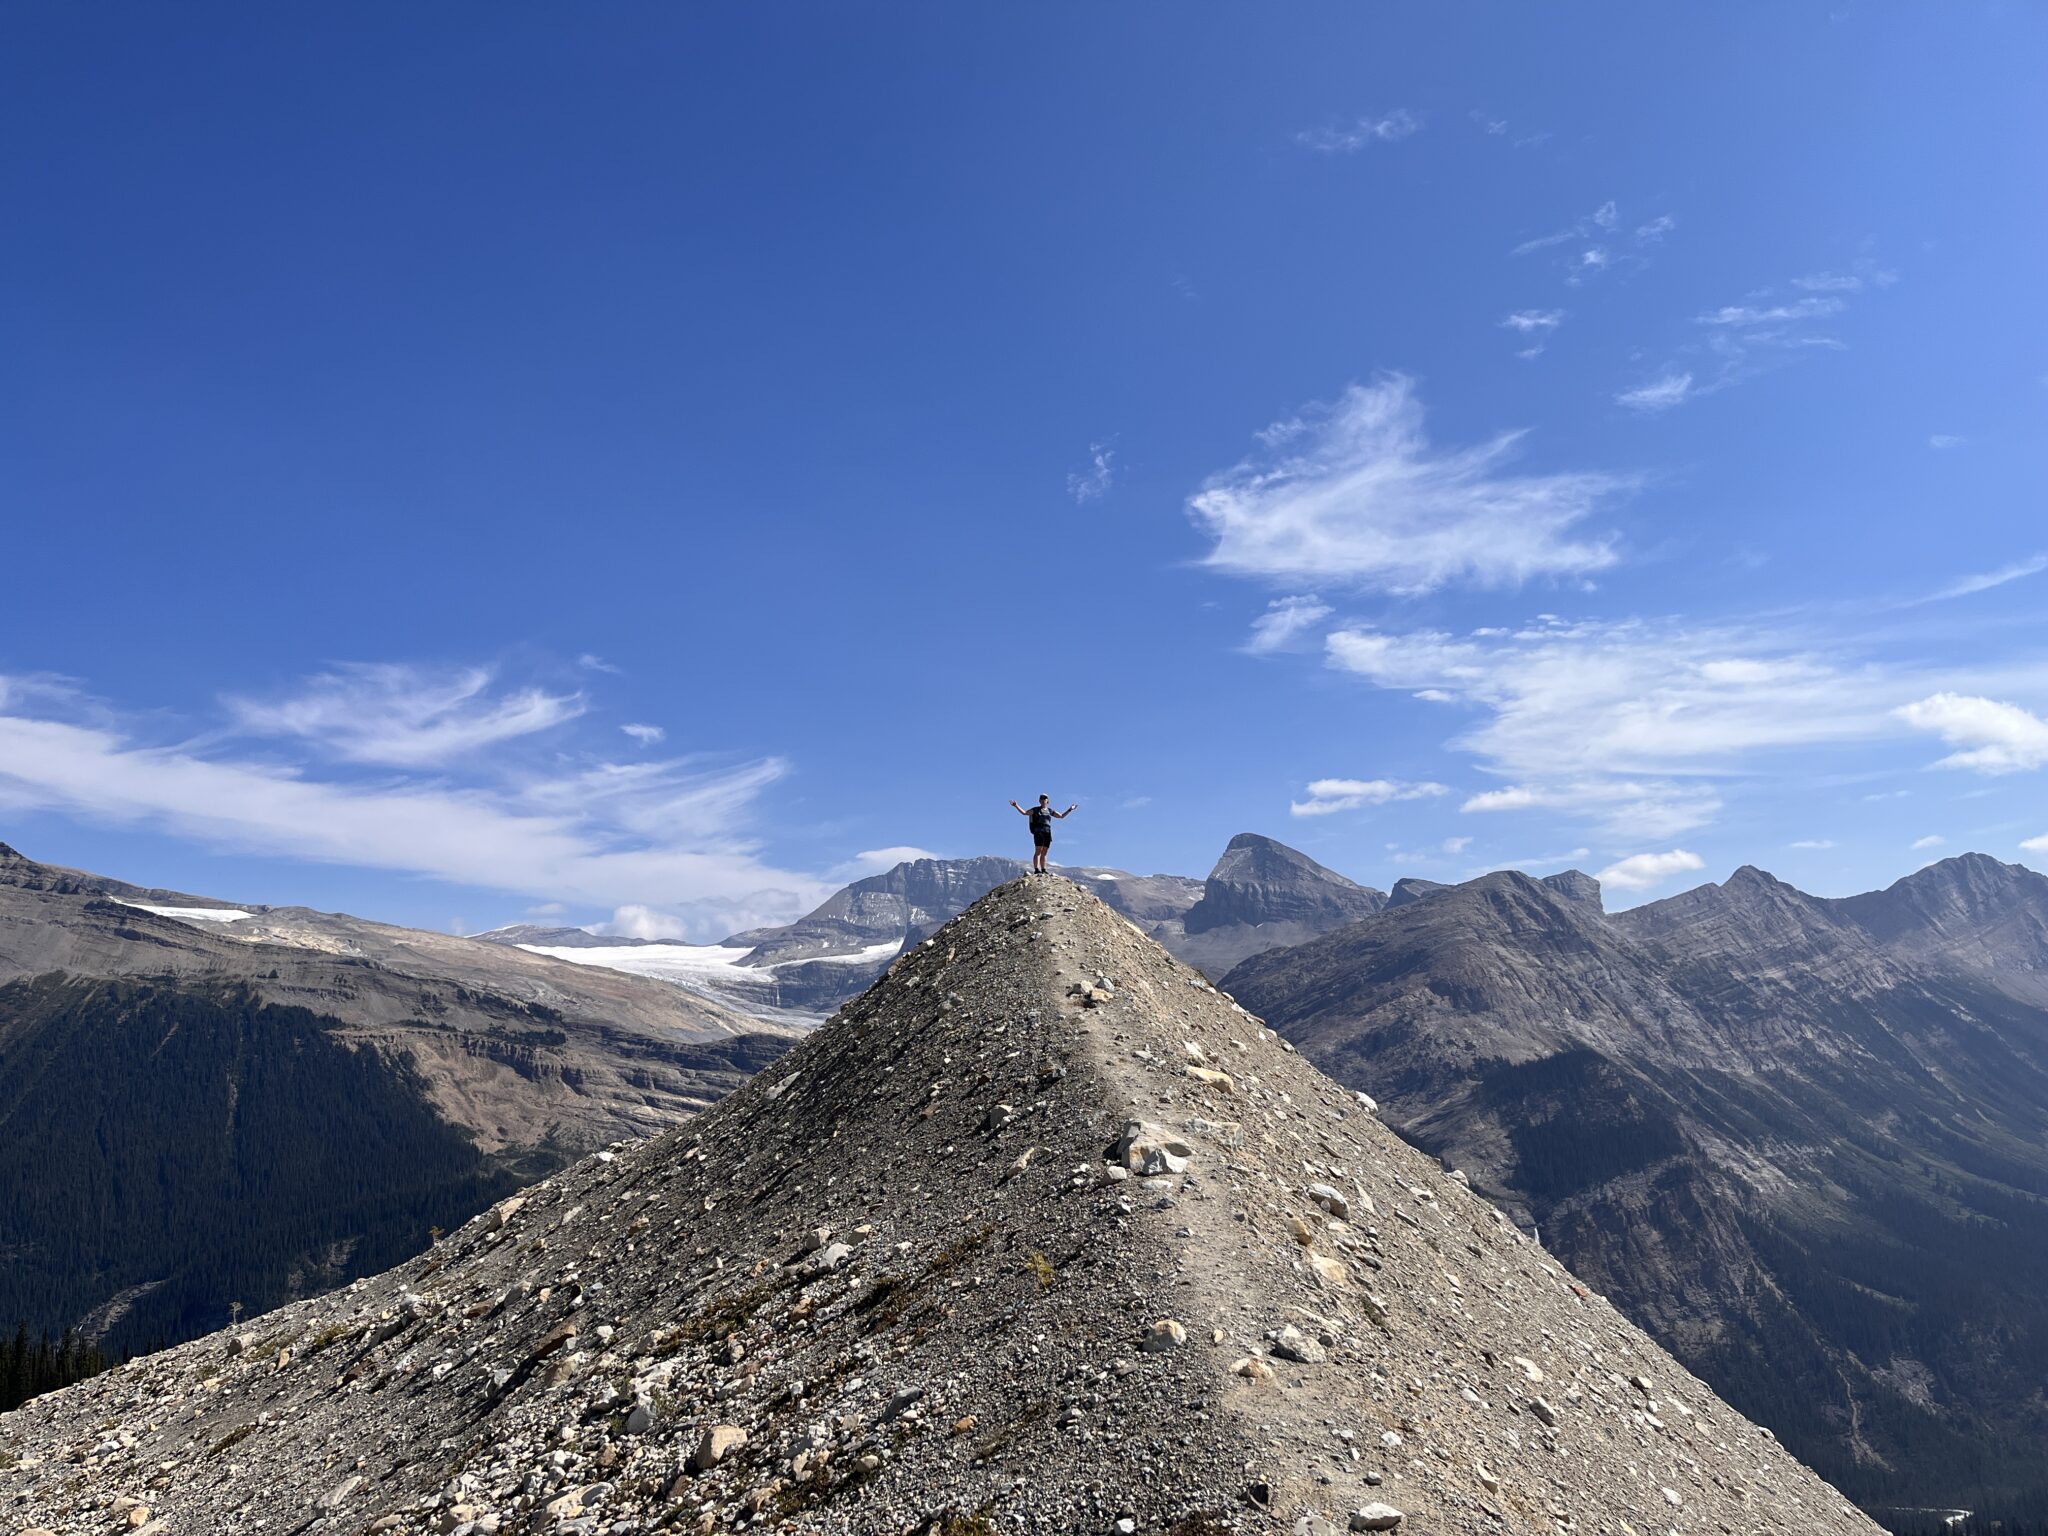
{"points": [[1041, 839]]}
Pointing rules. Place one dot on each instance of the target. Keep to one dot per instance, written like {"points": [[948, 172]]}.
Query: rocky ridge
{"points": [[1042, 1233], [1804, 1142]]}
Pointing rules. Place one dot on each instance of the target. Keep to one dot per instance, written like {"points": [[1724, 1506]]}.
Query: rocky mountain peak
{"points": [[1970, 913], [1751, 882], [1412, 888], [1968, 885], [1259, 880], [1041, 1233], [1576, 885], [1752, 911]]}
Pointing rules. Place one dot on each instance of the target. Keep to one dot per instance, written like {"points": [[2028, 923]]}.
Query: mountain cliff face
{"points": [[1803, 1142], [249, 1104], [1262, 894], [1041, 1234]]}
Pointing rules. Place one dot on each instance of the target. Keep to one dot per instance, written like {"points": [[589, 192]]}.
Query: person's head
{"points": [[1042, 799]]}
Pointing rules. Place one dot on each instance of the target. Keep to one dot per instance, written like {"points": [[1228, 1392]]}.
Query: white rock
{"points": [[1148, 1149], [1164, 1335], [717, 1443], [1331, 1199]]}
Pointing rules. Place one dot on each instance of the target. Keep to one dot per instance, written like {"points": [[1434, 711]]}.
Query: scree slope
{"points": [[1040, 1234]]}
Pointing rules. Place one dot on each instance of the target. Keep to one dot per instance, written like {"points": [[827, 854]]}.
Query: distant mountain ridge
{"points": [[1260, 894], [1804, 1141], [203, 1109]]}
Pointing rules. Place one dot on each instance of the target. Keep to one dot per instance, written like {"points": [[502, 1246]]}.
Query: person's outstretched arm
{"points": [[1018, 809], [1063, 815]]}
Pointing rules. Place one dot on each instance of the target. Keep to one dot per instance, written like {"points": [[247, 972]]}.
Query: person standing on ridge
{"points": [[1042, 816]]}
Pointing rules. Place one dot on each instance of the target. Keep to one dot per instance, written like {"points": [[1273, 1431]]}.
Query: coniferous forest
{"points": [[177, 1157], [32, 1366]]}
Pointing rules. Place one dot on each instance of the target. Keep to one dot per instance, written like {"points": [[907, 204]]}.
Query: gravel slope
{"points": [[917, 1277]]}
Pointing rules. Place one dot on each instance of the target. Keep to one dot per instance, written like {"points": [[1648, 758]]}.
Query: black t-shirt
{"points": [[1041, 821]]}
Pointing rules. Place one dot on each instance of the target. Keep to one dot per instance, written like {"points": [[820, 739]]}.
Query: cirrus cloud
{"points": [[404, 716], [1285, 620], [1355, 491], [1348, 138], [1636, 724], [669, 834], [1326, 797]]}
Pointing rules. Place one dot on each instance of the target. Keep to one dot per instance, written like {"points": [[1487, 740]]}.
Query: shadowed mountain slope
{"points": [[250, 1104], [1804, 1142], [1042, 1233]]}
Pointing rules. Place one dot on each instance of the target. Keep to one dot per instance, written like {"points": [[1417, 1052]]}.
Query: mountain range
{"points": [[206, 1104], [1803, 1141], [203, 1104], [1260, 894], [1040, 1234]]}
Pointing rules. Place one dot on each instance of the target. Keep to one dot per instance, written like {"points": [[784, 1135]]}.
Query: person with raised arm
{"points": [[1041, 816]]}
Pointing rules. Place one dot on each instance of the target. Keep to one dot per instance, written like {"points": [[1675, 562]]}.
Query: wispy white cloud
{"points": [[1930, 841], [1535, 327], [1598, 241], [1285, 621], [1625, 807], [1634, 724], [546, 909], [1996, 737], [1093, 483], [646, 735], [1534, 863], [1964, 586], [1605, 217], [1326, 797], [404, 716], [671, 834], [1457, 844], [1941, 441], [1641, 871], [1356, 491], [2036, 844], [1864, 274], [1347, 138], [1735, 342], [1814, 842], [1493, 126], [1748, 316], [1659, 394]]}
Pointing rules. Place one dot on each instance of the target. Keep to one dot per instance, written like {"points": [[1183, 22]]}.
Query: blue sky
{"points": [[650, 463]]}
